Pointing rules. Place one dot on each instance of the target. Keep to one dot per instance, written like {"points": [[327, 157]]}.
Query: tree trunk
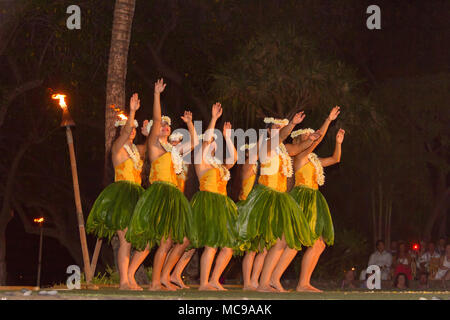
{"points": [[441, 204], [117, 72]]}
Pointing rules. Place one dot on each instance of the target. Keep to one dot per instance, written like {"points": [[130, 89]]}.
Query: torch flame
{"points": [[61, 97], [40, 220], [122, 116]]}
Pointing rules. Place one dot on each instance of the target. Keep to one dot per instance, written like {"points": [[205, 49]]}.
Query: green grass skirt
{"points": [[266, 215], [214, 221], [113, 208], [163, 211], [317, 213]]}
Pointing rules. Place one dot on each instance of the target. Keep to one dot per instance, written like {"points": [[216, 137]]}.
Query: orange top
{"points": [[275, 179], [247, 186], [126, 171], [306, 176], [212, 182], [181, 180], [162, 170]]}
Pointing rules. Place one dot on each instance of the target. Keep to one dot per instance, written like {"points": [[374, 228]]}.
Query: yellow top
{"points": [[181, 180], [278, 180], [247, 186], [126, 171], [162, 170], [306, 176], [212, 182]]}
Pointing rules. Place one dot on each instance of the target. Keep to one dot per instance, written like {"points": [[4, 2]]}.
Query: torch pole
{"points": [[76, 190], [40, 257]]}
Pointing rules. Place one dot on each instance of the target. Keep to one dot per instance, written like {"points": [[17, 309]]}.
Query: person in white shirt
{"points": [[383, 259], [432, 259]]}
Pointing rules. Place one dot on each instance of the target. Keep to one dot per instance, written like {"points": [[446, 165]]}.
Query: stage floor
{"points": [[231, 294]]}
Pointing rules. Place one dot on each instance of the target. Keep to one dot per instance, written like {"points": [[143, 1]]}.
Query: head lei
{"points": [[283, 122], [176, 136], [163, 119], [301, 131], [202, 136], [123, 120], [247, 146]]}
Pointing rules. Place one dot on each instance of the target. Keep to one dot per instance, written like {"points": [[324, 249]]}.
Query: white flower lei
{"points": [[163, 119], [124, 122], [177, 160], [301, 131], [286, 160], [175, 136], [247, 146], [276, 121], [133, 152], [215, 163], [319, 168], [184, 171]]}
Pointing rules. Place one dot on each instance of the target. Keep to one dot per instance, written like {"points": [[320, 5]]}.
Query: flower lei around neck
{"points": [[133, 152], [215, 163], [319, 168], [286, 160], [177, 160]]}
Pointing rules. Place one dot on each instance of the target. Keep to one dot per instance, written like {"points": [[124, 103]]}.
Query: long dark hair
{"points": [[396, 279]]}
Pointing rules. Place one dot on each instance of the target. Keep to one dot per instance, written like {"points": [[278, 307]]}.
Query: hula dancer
{"points": [[312, 203], [270, 218], [178, 256], [214, 213], [114, 207], [252, 263], [163, 213]]}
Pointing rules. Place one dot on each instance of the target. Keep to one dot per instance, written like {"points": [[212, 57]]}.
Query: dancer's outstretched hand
{"points": [[216, 110], [159, 86], [298, 117], [314, 136], [144, 128], [187, 117], [334, 113], [135, 103], [227, 130], [340, 136]]}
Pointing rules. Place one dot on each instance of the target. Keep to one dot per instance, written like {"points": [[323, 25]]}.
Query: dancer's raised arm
{"points": [[128, 128], [336, 157], [193, 142], [230, 148], [284, 131], [331, 117], [304, 147], [153, 135], [216, 112]]}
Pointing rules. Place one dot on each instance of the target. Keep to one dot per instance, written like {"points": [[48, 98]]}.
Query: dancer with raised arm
{"points": [[215, 214], [112, 210], [316, 223], [270, 218], [163, 214], [253, 261]]}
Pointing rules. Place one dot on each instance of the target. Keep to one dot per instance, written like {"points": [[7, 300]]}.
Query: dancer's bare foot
{"points": [[168, 285], [218, 286], [207, 287], [307, 288], [179, 282], [157, 287], [249, 288], [254, 284], [133, 284], [277, 285], [124, 286], [265, 288]]}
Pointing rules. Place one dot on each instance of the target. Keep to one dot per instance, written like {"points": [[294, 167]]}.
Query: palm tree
{"points": [[117, 71]]}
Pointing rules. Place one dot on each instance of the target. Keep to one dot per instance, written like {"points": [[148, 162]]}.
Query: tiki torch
{"points": [[39, 221], [68, 122]]}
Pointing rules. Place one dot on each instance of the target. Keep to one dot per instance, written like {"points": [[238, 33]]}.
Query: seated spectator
{"points": [[421, 262], [441, 246], [383, 259], [433, 258], [393, 248], [401, 281], [349, 280], [443, 272], [423, 281], [402, 262]]}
